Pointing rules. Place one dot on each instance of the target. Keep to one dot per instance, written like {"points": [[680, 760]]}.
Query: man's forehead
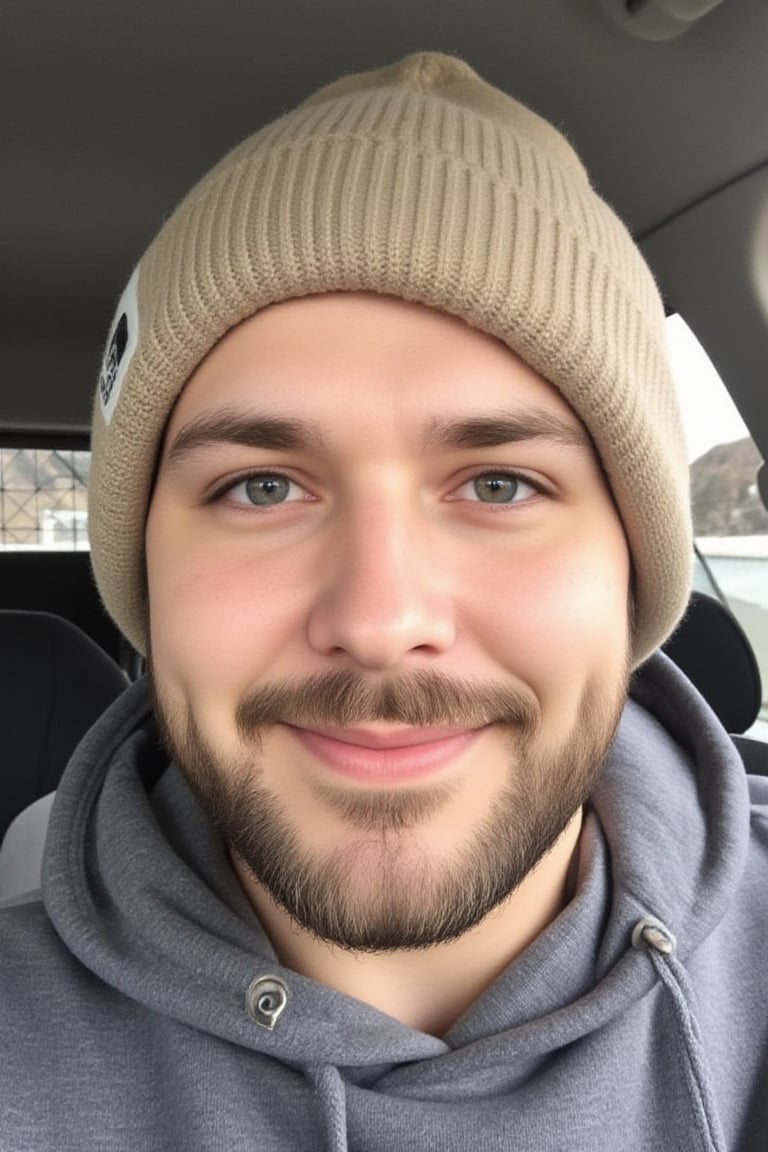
{"points": [[289, 373], [333, 328]]}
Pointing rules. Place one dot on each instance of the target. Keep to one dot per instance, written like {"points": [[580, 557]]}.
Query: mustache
{"points": [[420, 699]]}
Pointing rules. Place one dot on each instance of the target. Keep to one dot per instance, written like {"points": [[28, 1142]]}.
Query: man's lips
{"points": [[388, 737], [385, 755]]}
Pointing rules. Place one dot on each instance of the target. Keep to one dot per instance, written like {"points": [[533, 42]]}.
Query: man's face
{"points": [[388, 613]]}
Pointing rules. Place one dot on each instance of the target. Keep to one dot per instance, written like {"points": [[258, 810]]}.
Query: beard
{"points": [[381, 889]]}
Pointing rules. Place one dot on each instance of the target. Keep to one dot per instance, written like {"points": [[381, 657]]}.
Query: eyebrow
{"points": [[495, 429], [283, 434], [228, 427]]}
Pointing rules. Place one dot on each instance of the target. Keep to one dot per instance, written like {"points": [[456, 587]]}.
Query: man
{"points": [[388, 484]]}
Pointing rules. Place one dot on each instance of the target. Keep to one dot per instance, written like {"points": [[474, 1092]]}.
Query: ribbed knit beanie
{"points": [[423, 182]]}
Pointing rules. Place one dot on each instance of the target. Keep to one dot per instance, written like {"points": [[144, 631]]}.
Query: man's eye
{"points": [[264, 491], [497, 488]]}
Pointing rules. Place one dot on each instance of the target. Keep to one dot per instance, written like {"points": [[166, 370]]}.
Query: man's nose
{"points": [[384, 594]]}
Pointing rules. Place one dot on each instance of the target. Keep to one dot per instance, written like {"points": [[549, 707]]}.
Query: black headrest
{"points": [[710, 646], [54, 683]]}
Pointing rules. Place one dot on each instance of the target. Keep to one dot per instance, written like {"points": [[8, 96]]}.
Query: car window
{"points": [[43, 495], [729, 520]]}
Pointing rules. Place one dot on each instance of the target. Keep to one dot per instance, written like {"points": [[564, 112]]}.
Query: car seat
{"points": [[54, 683], [713, 650]]}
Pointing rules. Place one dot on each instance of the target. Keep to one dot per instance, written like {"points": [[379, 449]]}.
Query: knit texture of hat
{"points": [[419, 181]]}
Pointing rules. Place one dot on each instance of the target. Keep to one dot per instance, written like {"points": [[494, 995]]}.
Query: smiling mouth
{"points": [[387, 755]]}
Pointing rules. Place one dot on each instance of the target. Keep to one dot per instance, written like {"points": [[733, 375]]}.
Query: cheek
{"points": [[561, 614], [215, 619]]}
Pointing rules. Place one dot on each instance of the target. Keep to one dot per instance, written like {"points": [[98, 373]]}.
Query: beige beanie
{"points": [[423, 182]]}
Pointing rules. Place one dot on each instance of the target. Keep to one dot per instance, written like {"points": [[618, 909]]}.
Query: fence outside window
{"points": [[43, 499]]}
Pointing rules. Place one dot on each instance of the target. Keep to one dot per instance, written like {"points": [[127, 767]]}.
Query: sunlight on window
{"points": [[709, 415], [730, 522]]}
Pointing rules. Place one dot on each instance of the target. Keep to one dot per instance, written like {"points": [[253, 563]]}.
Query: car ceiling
{"points": [[111, 110]]}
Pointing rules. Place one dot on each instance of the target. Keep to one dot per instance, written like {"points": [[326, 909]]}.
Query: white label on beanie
{"points": [[123, 338]]}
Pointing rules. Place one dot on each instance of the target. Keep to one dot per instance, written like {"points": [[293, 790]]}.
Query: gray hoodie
{"points": [[637, 1020]]}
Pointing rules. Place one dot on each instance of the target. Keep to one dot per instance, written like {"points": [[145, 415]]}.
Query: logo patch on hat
{"points": [[123, 338]]}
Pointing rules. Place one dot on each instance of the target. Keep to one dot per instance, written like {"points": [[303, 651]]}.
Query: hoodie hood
{"points": [[138, 886]]}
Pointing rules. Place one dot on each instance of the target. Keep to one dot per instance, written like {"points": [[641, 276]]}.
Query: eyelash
{"points": [[508, 474], [220, 493]]}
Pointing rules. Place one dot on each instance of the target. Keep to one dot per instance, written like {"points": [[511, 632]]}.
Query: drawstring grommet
{"points": [[265, 1001], [652, 934]]}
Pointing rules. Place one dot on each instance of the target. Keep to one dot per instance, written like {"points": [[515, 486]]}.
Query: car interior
{"points": [[110, 112]]}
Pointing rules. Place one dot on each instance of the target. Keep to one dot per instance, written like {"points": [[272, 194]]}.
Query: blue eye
{"points": [[497, 488], [264, 490]]}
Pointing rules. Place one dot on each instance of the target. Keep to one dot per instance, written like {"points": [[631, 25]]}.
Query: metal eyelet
{"points": [[265, 1001], [649, 933]]}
